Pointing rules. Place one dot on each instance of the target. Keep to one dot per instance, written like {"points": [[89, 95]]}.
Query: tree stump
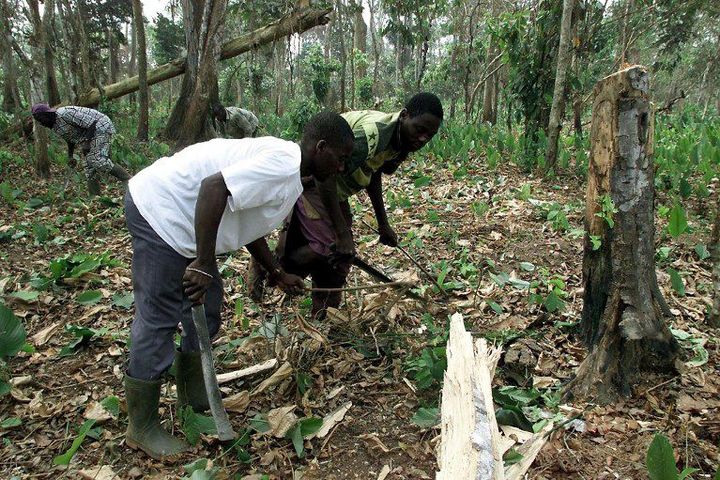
{"points": [[624, 313]]}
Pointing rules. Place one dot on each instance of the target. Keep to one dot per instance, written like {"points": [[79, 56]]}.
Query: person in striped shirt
{"points": [[89, 129]]}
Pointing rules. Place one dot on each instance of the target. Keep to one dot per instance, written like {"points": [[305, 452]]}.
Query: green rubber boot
{"points": [[190, 382], [144, 431]]}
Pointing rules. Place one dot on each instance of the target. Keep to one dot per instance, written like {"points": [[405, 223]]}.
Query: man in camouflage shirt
{"points": [[234, 122], [89, 129], [319, 239]]}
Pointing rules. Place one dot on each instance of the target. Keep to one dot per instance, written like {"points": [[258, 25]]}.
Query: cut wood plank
{"points": [[469, 447], [245, 372]]}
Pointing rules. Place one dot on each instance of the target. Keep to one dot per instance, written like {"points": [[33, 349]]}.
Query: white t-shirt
{"points": [[262, 175]]}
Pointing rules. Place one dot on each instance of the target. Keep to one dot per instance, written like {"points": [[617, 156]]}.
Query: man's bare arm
{"points": [[374, 190]]}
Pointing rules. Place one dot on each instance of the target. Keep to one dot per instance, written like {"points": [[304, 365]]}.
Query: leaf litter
{"points": [[346, 392]]}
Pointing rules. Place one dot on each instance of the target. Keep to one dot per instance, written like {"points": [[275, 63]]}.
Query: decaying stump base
{"points": [[624, 313]]}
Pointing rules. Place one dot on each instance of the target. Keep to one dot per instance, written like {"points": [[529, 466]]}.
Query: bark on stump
{"points": [[624, 313]]}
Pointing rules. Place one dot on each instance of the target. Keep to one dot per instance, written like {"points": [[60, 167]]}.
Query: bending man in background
{"points": [[89, 129]]}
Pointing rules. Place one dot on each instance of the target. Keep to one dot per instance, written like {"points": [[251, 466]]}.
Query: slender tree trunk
{"points": [[139, 23], [51, 86], [376, 51], [489, 87], [558, 103], [713, 318], [11, 94], [343, 54], [68, 36], [203, 33], [624, 314], [361, 32], [37, 43]]}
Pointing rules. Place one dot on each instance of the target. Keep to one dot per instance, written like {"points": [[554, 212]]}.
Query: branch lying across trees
{"points": [[296, 22]]}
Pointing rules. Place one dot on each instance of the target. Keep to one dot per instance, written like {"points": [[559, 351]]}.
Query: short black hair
{"points": [[328, 126], [424, 102], [219, 111]]}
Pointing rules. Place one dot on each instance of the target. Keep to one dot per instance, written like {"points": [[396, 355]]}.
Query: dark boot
{"points": [[321, 301], [144, 431], [256, 280], [190, 382], [120, 173]]}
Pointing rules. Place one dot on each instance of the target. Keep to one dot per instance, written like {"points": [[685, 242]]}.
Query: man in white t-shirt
{"points": [[210, 198]]}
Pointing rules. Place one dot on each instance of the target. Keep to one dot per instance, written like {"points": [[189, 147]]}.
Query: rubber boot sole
{"points": [[162, 458]]}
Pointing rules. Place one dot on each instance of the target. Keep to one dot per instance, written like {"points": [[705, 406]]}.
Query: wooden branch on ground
{"points": [[246, 372], [470, 446], [297, 22]]}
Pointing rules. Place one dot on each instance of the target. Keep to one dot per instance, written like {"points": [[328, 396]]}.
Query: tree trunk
{"points": [[360, 37], [343, 54], [11, 93], [36, 65], [51, 86], [623, 317], [376, 51], [295, 23], [558, 103], [489, 87], [139, 28], [713, 318], [206, 18], [70, 58]]}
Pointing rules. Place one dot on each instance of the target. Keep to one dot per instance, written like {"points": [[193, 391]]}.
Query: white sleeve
{"points": [[256, 181]]}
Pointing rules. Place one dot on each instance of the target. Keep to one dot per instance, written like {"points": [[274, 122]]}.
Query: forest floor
{"points": [[490, 228]]}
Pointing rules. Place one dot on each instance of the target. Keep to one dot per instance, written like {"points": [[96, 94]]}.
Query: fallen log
{"points": [[245, 372], [296, 22]]}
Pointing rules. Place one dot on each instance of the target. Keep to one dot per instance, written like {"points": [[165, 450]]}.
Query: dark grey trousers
{"points": [[160, 303]]}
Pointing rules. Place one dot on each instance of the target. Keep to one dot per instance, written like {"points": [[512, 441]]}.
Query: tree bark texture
{"points": [[558, 104], [624, 313], [37, 93], [360, 38], [713, 318], [11, 93], [51, 85], [297, 22], [139, 27]]}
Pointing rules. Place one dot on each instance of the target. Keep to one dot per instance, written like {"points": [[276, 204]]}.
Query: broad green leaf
{"points": [[12, 333], [702, 251], [515, 396], [26, 295], [660, 460], [497, 308], [4, 387], [123, 301], [527, 266], [91, 297], [422, 181], [701, 356], [85, 267], [199, 464], [259, 423], [513, 416], [426, 417], [65, 458], [553, 302], [296, 436], [677, 282], [193, 424], [11, 422], [677, 223], [511, 457], [310, 425], [112, 405]]}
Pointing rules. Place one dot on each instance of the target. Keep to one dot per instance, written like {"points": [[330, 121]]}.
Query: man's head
{"points": [[419, 121], [327, 143], [44, 114], [219, 113]]}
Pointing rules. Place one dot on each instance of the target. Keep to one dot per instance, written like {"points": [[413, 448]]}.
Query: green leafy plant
{"points": [[660, 461], [193, 424], [303, 429], [426, 417], [12, 340], [607, 210], [81, 337], [65, 458], [548, 291]]}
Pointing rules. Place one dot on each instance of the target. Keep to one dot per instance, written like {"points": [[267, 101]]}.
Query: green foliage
{"points": [[660, 461], [303, 429], [81, 337], [12, 340], [607, 210], [168, 39], [72, 266], [548, 291], [320, 70], [428, 368], [193, 424], [426, 417], [65, 458], [91, 297], [677, 223]]}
